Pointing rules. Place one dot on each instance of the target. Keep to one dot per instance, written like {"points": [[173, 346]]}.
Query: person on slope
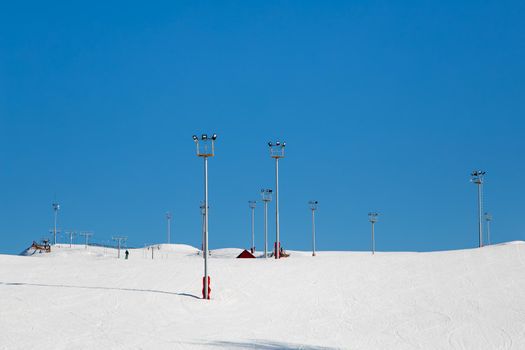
{"points": [[127, 253]]}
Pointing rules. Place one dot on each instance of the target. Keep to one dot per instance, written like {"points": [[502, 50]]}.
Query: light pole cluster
{"points": [[313, 208], [277, 152], [372, 217], [477, 177], [266, 195], [205, 149]]}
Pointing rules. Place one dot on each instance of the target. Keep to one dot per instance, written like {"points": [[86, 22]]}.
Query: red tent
{"points": [[246, 255]]}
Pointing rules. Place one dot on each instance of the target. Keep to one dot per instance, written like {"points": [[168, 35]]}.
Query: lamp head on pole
{"points": [[205, 145], [277, 149], [266, 195], [313, 204], [477, 176], [372, 217]]}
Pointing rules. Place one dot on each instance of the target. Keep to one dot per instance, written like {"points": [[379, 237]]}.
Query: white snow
{"points": [[73, 298]]}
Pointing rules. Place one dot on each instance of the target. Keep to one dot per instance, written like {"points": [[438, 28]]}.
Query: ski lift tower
{"points": [[266, 198], [119, 240], [372, 217], [86, 235], [277, 152], [205, 149], [477, 177], [313, 208]]}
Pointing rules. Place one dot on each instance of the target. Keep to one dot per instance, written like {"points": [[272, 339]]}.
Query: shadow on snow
{"points": [[263, 345], [99, 288]]}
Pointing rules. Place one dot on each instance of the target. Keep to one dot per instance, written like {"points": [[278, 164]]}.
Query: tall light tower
{"points": [[266, 198], [488, 218], [477, 178], [252, 205], [277, 152], [56, 208], [205, 149], [168, 218], [313, 208], [372, 217]]}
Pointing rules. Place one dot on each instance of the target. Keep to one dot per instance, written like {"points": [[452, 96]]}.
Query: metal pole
{"points": [[480, 208], [265, 229], [373, 240], [313, 232], [488, 231], [169, 228], [253, 230], [277, 239], [205, 228], [55, 229], [118, 254]]}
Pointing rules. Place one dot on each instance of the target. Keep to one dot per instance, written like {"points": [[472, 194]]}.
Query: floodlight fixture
{"points": [[477, 177], [205, 146]]}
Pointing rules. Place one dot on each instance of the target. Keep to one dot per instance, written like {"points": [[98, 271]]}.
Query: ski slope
{"points": [[76, 298]]}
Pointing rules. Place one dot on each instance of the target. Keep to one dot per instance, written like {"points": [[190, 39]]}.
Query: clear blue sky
{"points": [[384, 106]]}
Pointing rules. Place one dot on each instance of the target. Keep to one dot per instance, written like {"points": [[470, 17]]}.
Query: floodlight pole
{"points": [[277, 233], [252, 207], [205, 152], [313, 207], [477, 178], [56, 207], [168, 218], [372, 217], [488, 218], [277, 151], [266, 198], [202, 228]]}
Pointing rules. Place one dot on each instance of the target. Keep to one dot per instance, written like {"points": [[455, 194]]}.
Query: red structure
{"points": [[246, 255], [204, 286]]}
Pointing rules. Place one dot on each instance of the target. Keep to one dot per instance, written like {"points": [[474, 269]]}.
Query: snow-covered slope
{"points": [[73, 298]]}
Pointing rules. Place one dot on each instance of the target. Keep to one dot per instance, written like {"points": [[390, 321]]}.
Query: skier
{"points": [[127, 253]]}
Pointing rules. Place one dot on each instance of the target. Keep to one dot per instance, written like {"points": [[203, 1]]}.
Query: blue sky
{"points": [[384, 106]]}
